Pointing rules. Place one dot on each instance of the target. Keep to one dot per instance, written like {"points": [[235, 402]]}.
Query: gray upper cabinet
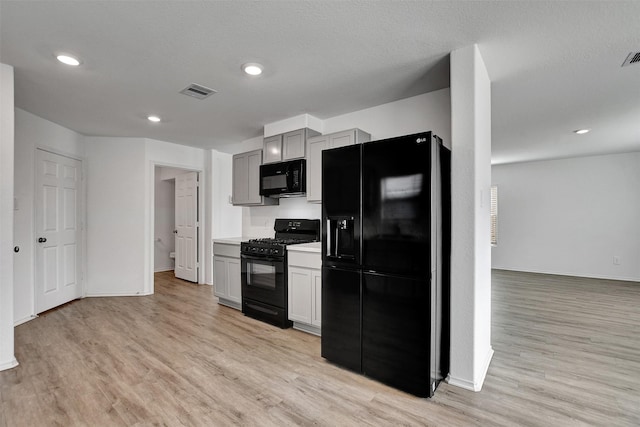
{"points": [[316, 145], [273, 149], [246, 180], [287, 146], [294, 143]]}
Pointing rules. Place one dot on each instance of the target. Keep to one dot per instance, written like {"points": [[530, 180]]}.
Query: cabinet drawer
{"points": [[305, 259], [225, 249]]}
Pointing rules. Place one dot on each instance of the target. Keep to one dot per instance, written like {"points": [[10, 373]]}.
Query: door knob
{"points": [[42, 240], [175, 231]]}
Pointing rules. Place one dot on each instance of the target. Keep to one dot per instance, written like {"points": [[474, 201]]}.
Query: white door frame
{"points": [[82, 240], [150, 232]]}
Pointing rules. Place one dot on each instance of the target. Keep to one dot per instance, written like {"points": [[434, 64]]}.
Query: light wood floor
{"points": [[567, 352]]}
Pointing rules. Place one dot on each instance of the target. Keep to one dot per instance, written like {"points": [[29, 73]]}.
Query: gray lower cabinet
{"points": [[305, 291], [226, 274], [316, 145], [246, 180]]}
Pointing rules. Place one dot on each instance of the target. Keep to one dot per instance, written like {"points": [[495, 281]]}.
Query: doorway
{"points": [[176, 222]]}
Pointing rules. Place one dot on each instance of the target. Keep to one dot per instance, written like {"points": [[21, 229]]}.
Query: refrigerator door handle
{"points": [[330, 239]]}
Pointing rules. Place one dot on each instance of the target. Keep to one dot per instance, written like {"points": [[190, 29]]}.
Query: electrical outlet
{"points": [[616, 260]]}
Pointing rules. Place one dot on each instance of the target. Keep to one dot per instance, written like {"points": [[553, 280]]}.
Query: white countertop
{"points": [[306, 247], [231, 240]]}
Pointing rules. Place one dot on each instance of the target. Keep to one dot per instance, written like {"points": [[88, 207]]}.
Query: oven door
{"points": [[263, 280]]}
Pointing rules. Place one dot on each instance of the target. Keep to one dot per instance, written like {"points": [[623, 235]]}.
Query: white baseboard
{"points": [[137, 294], [476, 384], [8, 365], [485, 368], [569, 274], [462, 383], [310, 329], [161, 269], [24, 320]]}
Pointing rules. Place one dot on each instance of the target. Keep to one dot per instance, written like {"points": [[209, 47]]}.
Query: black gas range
{"points": [[264, 269]]}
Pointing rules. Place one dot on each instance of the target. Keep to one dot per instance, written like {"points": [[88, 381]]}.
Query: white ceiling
{"points": [[555, 66]]}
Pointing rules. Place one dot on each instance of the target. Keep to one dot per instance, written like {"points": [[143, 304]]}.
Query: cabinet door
{"points": [[316, 306], [314, 167], [342, 139], [220, 277], [253, 175], [234, 292], [300, 295], [240, 193], [293, 145], [273, 149]]}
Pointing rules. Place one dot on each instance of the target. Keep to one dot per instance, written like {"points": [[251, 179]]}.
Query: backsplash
{"points": [[258, 221]]}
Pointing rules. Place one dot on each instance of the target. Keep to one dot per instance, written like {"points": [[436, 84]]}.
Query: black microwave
{"points": [[284, 179]]}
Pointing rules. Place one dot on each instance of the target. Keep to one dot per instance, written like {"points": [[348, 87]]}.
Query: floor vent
{"points": [[197, 91], [633, 58]]}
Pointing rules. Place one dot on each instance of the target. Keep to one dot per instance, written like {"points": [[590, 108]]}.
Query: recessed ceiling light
{"points": [[582, 131], [69, 60], [154, 119], [252, 68]]}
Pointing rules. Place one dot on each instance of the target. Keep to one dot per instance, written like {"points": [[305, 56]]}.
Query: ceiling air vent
{"points": [[197, 91], [633, 58]]}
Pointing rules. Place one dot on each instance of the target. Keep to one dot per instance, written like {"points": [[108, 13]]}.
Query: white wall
{"points": [[223, 219], [471, 350], [189, 159], [293, 123], [32, 132], [7, 357], [227, 219], [164, 220], [429, 111], [120, 205], [258, 221], [116, 208], [570, 216], [244, 146]]}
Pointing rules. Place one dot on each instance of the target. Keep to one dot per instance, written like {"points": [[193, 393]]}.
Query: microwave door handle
{"points": [[329, 238], [289, 176]]}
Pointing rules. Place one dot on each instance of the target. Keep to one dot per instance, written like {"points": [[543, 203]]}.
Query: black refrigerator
{"points": [[386, 260]]}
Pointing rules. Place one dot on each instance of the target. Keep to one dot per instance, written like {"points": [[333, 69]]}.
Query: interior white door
{"points": [[186, 230], [58, 254]]}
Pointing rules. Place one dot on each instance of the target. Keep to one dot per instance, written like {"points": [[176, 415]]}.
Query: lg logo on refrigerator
{"points": [[421, 140]]}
